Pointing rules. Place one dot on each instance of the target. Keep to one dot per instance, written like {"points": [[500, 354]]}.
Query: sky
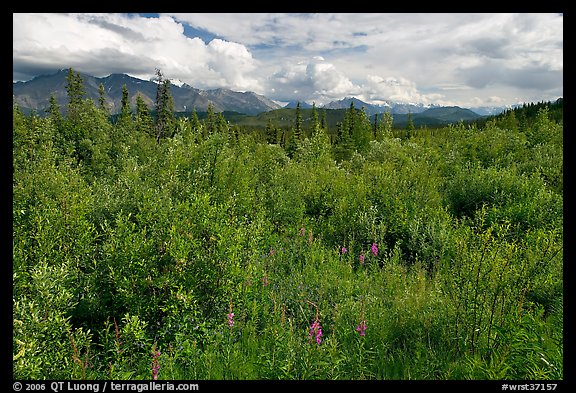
{"points": [[463, 59]]}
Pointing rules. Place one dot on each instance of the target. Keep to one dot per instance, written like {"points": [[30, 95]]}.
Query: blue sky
{"points": [[468, 60]]}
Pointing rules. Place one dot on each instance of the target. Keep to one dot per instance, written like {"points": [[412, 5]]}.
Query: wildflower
{"points": [[230, 316], [316, 331], [155, 362], [374, 249], [265, 281], [315, 328], [362, 328], [362, 256], [302, 231], [344, 250]]}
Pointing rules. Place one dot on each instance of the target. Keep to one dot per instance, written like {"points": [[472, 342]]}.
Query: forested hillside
{"points": [[185, 248]]}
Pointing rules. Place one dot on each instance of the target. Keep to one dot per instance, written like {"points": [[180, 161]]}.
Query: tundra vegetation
{"points": [[160, 247]]}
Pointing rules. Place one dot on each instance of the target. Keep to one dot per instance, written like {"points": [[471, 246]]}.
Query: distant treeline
{"points": [[526, 114]]}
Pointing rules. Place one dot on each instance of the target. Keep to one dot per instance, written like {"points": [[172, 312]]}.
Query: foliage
{"points": [[212, 252]]}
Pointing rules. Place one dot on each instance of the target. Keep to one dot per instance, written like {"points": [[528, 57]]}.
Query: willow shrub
{"points": [[431, 257]]}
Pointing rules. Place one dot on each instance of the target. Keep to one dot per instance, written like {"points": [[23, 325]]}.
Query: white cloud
{"points": [[100, 44], [413, 57], [379, 89], [312, 80]]}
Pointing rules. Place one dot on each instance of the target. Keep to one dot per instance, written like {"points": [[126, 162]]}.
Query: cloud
{"points": [[101, 44], [414, 57], [379, 89], [313, 80]]}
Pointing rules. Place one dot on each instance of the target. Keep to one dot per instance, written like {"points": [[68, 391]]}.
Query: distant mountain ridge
{"points": [[34, 95], [395, 108], [372, 109]]}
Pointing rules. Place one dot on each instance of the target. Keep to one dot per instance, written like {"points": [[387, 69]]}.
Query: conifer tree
{"points": [[298, 124], [320, 144], [144, 122], [315, 122], [361, 131], [323, 123], [54, 111], [125, 111], [102, 98], [295, 136], [57, 119], [210, 121], [270, 132], [164, 107], [343, 147], [409, 125], [195, 124], [350, 119], [508, 121], [222, 125], [76, 93]]}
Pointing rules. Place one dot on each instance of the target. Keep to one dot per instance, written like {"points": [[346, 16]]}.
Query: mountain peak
{"points": [[34, 95]]}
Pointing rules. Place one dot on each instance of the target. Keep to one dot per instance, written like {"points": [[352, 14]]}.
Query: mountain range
{"points": [[34, 95]]}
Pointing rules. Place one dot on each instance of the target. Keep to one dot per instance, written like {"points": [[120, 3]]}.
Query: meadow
{"points": [[215, 254]]}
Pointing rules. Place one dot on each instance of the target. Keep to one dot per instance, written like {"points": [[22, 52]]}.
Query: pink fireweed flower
{"points": [[374, 249], [344, 250], [230, 320], [155, 362], [362, 256], [362, 328], [316, 331]]}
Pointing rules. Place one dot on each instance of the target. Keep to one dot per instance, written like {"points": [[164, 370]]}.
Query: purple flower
{"points": [[316, 331], [155, 362], [362, 328], [231, 320], [362, 256], [344, 250], [374, 249]]}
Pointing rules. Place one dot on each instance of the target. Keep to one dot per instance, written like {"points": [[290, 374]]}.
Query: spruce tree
{"points": [[319, 138], [210, 120], [102, 99], [195, 125], [125, 111], [323, 123], [54, 111], [144, 122], [298, 124], [315, 122], [409, 125], [164, 108], [270, 132], [222, 125], [76, 93]]}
